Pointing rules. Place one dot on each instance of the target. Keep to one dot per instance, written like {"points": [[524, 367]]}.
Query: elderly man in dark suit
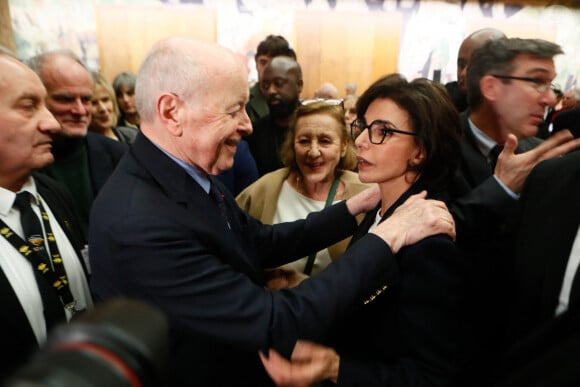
{"points": [[162, 229], [508, 83], [83, 160], [31, 306]]}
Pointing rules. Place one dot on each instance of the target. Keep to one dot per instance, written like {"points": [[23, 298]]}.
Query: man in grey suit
{"points": [[163, 230]]}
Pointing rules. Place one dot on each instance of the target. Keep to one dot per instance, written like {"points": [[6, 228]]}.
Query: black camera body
{"points": [[121, 342]]}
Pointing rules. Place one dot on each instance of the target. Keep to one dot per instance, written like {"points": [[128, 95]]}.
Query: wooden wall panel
{"points": [[6, 32], [126, 33], [323, 40]]}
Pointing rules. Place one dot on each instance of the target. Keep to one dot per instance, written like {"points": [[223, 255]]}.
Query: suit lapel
{"points": [[544, 248], [186, 192], [475, 167]]}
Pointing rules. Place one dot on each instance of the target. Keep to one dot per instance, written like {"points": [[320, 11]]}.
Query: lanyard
{"points": [[55, 275], [329, 199]]}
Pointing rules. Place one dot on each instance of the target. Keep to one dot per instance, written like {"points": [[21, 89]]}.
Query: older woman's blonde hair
{"points": [[99, 81], [335, 111]]}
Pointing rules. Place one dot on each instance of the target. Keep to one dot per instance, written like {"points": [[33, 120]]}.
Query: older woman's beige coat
{"points": [[260, 199]]}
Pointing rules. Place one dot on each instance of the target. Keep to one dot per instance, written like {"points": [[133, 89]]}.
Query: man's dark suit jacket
{"points": [[104, 155], [156, 235], [18, 338], [411, 333], [479, 199], [265, 144], [482, 209], [544, 349], [570, 120]]}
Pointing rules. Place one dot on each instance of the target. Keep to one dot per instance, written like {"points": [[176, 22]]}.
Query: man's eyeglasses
{"points": [[329, 102], [378, 130], [541, 85]]}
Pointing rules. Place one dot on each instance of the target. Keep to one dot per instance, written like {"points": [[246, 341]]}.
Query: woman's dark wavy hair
{"points": [[434, 119]]}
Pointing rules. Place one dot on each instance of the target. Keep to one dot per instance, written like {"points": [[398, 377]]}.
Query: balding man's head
{"points": [[182, 66], [191, 97], [327, 91], [466, 49], [281, 85], [69, 86], [26, 125]]}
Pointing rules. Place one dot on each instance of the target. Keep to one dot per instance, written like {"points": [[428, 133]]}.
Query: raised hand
{"points": [[513, 169]]}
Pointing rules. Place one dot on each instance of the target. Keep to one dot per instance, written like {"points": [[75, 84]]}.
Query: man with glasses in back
{"points": [[508, 87]]}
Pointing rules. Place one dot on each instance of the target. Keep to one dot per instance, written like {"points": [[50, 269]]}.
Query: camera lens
{"points": [[120, 343]]}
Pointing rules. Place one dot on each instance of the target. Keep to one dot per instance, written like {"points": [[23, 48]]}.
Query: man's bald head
{"points": [[281, 85], [182, 66], [472, 41], [327, 91], [285, 64]]}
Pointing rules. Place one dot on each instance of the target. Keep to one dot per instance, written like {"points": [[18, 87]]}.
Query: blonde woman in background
{"points": [[319, 156], [105, 112]]}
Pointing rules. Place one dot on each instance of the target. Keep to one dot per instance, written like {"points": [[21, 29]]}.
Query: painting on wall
{"points": [[43, 25]]}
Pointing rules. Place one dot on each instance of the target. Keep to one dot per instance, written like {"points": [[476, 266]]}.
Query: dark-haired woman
{"points": [[406, 333]]}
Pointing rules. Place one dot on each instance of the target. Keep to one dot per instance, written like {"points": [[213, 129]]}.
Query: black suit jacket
{"points": [[543, 348], [482, 211], [410, 334], [480, 203], [570, 120], [18, 337], [157, 236], [547, 228], [104, 155]]}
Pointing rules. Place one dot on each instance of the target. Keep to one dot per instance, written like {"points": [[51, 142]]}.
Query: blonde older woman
{"points": [[105, 112], [319, 157]]}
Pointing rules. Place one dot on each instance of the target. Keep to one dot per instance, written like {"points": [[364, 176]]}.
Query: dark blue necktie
{"points": [[218, 198]]}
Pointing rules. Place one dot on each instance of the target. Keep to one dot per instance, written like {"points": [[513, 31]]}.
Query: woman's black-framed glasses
{"points": [[378, 130]]}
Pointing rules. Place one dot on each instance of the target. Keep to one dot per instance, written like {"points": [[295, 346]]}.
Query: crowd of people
{"points": [[417, 234]]}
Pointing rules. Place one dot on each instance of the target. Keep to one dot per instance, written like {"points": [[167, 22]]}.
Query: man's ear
{"points": [[489, 87], [168, 109]]}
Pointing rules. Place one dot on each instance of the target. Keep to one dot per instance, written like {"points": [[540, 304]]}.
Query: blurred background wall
{"points": [[338, 41]]}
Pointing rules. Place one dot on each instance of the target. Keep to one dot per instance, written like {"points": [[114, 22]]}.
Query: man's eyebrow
{"points": [[31, 96], [537, 70]]}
